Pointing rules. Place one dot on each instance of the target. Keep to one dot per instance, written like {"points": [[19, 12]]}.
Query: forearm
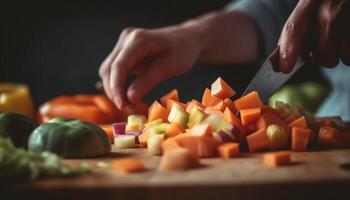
{"points": [[226, 37]]}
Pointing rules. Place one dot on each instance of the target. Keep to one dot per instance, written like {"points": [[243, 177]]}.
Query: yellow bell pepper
{"points": [[16, 98]]}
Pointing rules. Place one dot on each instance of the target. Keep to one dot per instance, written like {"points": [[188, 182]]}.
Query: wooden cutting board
{"points": [[313, 175]]}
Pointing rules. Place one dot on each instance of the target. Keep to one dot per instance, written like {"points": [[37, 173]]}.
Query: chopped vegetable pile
{"points": [[218, 126], [18, 164]]}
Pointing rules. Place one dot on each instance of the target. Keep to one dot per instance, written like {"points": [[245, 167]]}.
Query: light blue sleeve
{"points": [[269, 15]]}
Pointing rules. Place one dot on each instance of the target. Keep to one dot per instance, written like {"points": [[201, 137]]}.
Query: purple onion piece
{"points": [[236, 132], [225, 137], [119, 128]]}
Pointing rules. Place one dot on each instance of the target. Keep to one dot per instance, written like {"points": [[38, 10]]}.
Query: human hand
{"points": [[152, 56], [317, 30]]}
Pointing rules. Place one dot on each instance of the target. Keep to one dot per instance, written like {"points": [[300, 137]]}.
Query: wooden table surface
{"points": [[319, 174]]}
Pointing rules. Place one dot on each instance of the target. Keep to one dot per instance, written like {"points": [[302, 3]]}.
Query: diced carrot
{"points": [[330, 137], [229, 104], [300, 138], [173, 94], [193, 104], [267, 119], [221, 89], [251, 100], [230, 117], [170, 144], [169, 103], [174, 129], [143, 138], [178, 159], [202, 130], [157, 111], [209, 100], [228, 150], [128, 165], [201, 146], [276, 159], [300, 122], [250, 115], [109, 133], [220, 106], [258, 141]]}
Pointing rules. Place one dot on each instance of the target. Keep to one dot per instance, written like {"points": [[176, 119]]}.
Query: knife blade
{"points": [[269, 79]]}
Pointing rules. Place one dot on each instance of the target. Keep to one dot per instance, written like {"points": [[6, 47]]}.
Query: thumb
{"points": [[140, 87]]}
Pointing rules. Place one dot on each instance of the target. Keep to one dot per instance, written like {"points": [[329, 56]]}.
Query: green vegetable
{"points": [[18, 164], [70, 139], [17, 127], [179, 115]]}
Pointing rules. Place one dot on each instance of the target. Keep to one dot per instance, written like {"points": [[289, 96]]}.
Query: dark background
{"points": [[56, 47]]}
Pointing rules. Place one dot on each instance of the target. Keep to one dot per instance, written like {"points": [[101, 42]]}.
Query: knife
{"points": [[269, 79]]}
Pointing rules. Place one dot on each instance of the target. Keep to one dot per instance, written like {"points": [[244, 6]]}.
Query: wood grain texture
{"points": [[313, 174]]}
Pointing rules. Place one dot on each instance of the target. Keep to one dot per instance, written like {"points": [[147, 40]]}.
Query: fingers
{"points": [[145, 83], [293, 34]]}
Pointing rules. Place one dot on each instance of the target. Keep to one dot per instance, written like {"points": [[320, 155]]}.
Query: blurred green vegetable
{"points": [[18, 164], [308, 95]]}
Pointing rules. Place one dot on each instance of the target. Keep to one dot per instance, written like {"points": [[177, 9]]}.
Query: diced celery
{"points": [[196, 116], [178, 114], [154, 144], [124, 141], [214, 121], [153, 123], [278, 136], [135, 122]]}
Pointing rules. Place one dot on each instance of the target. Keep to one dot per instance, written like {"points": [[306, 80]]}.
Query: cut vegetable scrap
{"points": [[144, 137], [178, 159], [169, 144], [128, 165], [209, 100], [221, 89], [251, 100], [119, 128], [202, 130], [300, 122], [268, 118], [229, 150], [277, 136], [179, 115], [277, 159], [157, 111], [200, 146], [250, 115], [174, 129], [300, 138], [194, 103], [197, 115], [173, 95], [154, 144], [124, 141], [135, 122], [258, 141], [230, 117]]}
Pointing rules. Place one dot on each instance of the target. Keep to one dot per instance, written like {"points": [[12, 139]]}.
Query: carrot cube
{"points": [[128, 165], [178, 159], [276, 159], [230, 117], [300, 122], [193, 104], [251, 100], [258, 141], [229, 104], [300, 138], [201, 146], [221, 89], [209, 100], [170, 102], [170, 144], [267, 119], [173, 94], [174, 129], [228, 150], [250, 115], [157, 111], [202, 130]]}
